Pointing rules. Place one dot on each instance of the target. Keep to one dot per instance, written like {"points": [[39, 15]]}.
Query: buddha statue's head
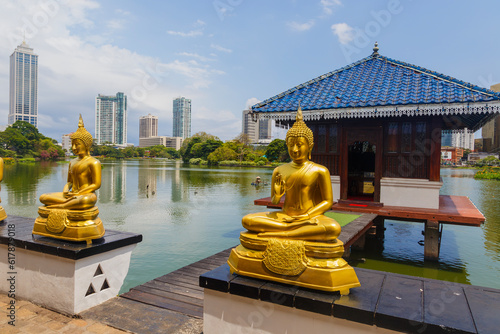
{"points": [[82, 134], [299, 139]]}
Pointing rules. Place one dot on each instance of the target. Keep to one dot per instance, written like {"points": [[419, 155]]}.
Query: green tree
{"points": [[277, 150], [208, 144], [12, 139], [220, 154], [29, 131]]}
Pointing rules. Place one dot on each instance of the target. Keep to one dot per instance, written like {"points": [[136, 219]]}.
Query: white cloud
{"points": [[251, 101], [197, 56], [199, 23], [295, 26], [344, 32], [328, 5], [220, 48], [116, 24], [192, 33], [74, 68]]}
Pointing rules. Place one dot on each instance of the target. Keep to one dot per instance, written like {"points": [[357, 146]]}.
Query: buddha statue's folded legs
{"points": [[59, 201], [278, 225]]}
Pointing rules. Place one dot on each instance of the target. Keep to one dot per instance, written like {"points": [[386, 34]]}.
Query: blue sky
{"points": [[227, 54]]}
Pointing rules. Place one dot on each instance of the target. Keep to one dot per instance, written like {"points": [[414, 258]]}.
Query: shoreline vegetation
{"points": [[22, 143], [488, 173]]}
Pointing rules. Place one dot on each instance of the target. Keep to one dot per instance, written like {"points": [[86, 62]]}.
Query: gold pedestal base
{"points": [[314, 265], [72, 225], [3, 214]]}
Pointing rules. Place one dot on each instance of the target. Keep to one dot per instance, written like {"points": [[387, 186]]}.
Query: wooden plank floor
{"points": [[178, 291]]}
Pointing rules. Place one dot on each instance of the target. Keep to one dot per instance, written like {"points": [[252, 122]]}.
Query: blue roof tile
{"points": [[376, 81]]}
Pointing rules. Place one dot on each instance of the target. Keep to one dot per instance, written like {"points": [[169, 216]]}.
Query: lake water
{"points": [[188, 213]]}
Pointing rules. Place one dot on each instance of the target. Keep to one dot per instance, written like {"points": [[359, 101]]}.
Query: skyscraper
{"points": [[23, 104], [256, 131], [148, 126], [111, 119], [182, 118]]}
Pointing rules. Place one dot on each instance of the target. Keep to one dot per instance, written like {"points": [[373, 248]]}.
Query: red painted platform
{"points": [[458, 210]]}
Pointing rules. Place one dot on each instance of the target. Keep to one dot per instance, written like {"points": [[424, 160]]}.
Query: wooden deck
{"points": [[172, 303], [457, 210], [179, 290]]}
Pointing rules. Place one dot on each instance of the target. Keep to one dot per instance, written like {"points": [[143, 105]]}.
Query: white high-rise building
{"points": [[66, 143], [182, 118], [23, 103], [256, 131], [460, 138], [148, 126], [111, 119]]}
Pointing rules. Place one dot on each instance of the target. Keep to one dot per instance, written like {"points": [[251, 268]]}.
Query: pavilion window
{"points": [[420, 134], [406, 137], [332, 138], [321, 139], [314, 129], [392, 137]]}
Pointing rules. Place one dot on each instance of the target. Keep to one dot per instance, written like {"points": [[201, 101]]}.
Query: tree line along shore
{"points": [[22, 142]]}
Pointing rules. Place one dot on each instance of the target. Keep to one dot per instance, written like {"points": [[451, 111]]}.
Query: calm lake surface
{"points": [[188, 213]]}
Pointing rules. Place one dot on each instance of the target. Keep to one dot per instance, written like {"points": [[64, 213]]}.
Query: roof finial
{"points": [[375, 50], [299, 116]]}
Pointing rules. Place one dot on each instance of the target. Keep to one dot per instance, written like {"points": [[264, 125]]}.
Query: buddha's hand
{"points": [[299, 218], [279, 185], [70, 194]]}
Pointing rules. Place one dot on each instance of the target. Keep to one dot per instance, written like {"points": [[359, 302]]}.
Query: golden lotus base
{"points": [[72, 225], [314, 265], [3, 214]]}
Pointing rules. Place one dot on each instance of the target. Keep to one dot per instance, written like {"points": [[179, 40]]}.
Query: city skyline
{"points": [[23, 95], [208, 53]]}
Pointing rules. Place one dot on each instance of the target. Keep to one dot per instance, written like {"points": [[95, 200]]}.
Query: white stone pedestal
{"points": [[227, 313], [63, 276]]}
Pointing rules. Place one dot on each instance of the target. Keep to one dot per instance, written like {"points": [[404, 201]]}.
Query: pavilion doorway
{"points": [[361, 164], [361, 171]]}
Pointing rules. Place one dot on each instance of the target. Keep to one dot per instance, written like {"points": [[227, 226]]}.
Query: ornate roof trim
{"points": [[451, 109]]}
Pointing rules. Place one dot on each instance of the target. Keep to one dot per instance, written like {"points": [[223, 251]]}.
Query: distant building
{"points": [[148, 126], [257, 131], [66, 144], [182, 118], [491, 130], [111, 119], [475, 156], [458, 138], [451, 155], [173, 142], [23, 100]]}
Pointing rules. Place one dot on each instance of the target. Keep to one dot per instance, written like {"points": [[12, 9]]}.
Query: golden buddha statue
{"points": [[297, 245], [3, 215], [72, 214]]}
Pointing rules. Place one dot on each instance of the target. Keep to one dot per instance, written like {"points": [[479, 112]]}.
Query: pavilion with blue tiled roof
{"points": [[378, 124]]}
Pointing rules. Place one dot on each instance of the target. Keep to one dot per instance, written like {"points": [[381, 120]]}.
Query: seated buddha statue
{"points": [[3, 215], [72, 214], [298, 244]]}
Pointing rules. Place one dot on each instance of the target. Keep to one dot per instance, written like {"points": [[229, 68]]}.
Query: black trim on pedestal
{"points": [[22, 238]]}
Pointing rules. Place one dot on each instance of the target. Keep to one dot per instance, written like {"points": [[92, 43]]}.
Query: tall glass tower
{"points": [[111, 119], [23, 104], [182, 118]]}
